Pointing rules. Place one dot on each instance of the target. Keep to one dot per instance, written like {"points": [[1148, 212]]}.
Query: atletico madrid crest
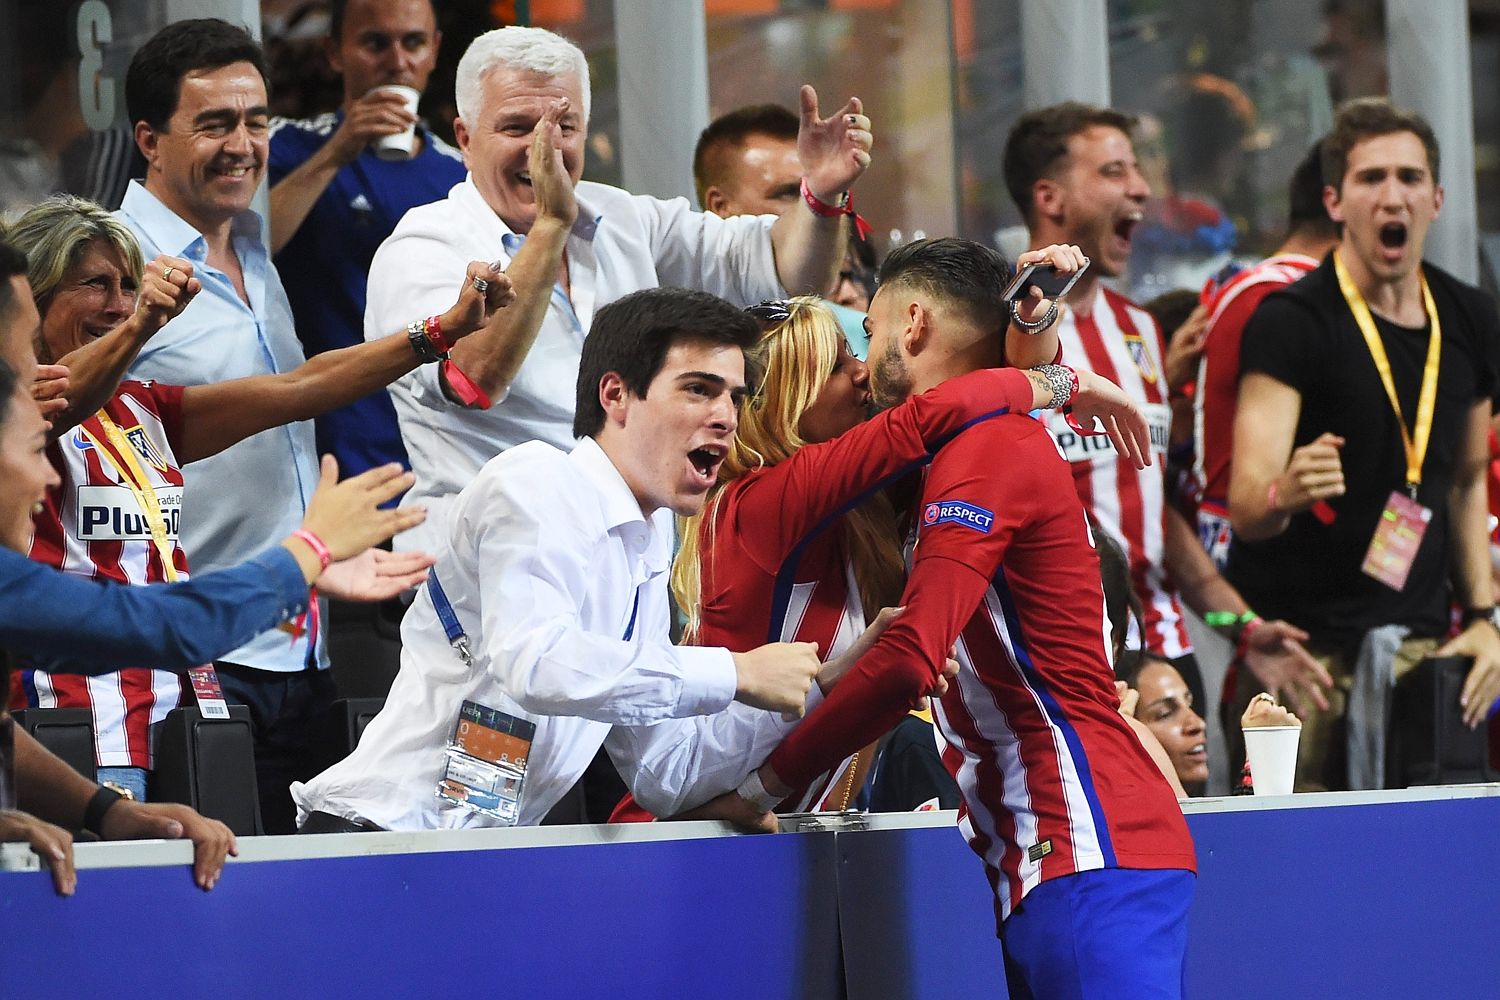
{"points": [[1142, 358]]}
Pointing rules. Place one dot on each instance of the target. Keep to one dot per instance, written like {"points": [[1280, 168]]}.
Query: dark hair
{"points": [[1039, 140], [1119, 596], [12, 264], [1365, 118], [1132, 662], [631, 337], [960, 272], [336, 10], [1171, 309], [1304, 193], [153, 82], [729, 130]]}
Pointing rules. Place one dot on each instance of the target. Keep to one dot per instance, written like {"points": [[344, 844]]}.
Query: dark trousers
{"points": [[285, 712]]}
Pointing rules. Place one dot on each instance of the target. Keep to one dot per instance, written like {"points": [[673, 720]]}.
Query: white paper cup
{"points": [[399, 146], [1273, 757]]}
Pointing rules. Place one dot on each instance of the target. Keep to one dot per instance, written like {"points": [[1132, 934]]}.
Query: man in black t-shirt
{"points": [[1332, 489]]}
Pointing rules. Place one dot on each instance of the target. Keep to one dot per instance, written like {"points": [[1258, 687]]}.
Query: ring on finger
{"points": [[480, 285], [166, 274]]}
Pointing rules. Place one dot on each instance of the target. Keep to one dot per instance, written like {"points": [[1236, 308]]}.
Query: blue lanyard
{"points": [[455, 632]]}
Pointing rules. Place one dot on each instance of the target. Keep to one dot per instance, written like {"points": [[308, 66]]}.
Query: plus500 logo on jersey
{"points": [[110, 513], [959, 512]]}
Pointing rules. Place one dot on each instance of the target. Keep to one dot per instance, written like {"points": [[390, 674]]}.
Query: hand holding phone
{"points": [[1045, 277]]}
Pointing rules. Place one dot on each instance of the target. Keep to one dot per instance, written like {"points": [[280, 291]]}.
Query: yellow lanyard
{"points": [[1416, 450], [133, 477]]}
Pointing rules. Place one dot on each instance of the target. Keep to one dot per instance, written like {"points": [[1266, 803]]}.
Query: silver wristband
{"points": [[1061, 380], [753, 791], [1048, 318]]}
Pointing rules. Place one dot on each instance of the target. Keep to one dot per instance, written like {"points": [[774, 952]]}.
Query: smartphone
{"points": [[1043, 276]]}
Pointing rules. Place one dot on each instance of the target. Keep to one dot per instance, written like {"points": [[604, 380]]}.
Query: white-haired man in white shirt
{"points": [[570, 247]]}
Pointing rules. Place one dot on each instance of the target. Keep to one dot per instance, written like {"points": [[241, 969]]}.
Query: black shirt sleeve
{"points": [[1283, 340]]}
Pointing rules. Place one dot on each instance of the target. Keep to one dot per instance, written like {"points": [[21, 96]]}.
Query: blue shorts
{"points": [[1119, 933]]}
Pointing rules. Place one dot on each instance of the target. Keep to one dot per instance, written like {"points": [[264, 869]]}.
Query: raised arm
{"points": [[1028, 348], [1265, 425], [378, 113], [821, 481], [72, 624], [95, 369], [217, 415], [493, 356], [835, 152]]}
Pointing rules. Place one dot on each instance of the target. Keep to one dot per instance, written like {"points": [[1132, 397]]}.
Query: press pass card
{"points": [[206, 691], [485, 766], [1398, 535]]}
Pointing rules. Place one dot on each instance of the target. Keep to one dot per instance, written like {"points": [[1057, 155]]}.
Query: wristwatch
{"points": [[1490, 614]]}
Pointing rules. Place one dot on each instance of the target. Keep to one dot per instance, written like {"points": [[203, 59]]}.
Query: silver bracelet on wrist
{"points": [[1063, 382], [753, 791], [1037, 326]]}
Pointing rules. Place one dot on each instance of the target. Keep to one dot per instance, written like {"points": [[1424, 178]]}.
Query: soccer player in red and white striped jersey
{"points": [[1060, 797], [1072, 172]]}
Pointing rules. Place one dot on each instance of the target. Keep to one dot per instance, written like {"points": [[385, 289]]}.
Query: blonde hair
{"points": [[54, 234], [789, 366]]}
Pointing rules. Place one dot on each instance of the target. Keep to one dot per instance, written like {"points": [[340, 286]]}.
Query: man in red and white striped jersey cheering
{"points": [[1072, 172]]}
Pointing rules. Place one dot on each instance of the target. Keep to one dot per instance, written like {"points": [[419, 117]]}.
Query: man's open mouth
{"points": [[1393, 235], [1125, 228], [706, 460]]}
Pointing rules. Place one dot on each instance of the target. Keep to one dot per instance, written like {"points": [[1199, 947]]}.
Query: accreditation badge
{"points": [[208, 693], [1398, 536], [484, 767]]}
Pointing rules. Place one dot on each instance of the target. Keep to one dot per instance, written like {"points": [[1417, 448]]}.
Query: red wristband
{"points": [[1246, 630], [464, 388], [321, 551], [434, 328], [823, 210]]}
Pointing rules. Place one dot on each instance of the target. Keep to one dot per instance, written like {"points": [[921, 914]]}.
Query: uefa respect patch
{"points": [[959, 512]]}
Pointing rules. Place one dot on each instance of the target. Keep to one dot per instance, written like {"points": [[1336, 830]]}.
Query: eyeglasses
{"points": [[773, 311]]}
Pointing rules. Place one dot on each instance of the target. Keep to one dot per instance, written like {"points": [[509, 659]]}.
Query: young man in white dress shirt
{"points": [[542, 634]]}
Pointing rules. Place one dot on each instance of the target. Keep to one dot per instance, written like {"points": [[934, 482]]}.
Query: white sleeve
{"points": [[730, 258], [413, 277], [680, 764], [536, 574]]}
